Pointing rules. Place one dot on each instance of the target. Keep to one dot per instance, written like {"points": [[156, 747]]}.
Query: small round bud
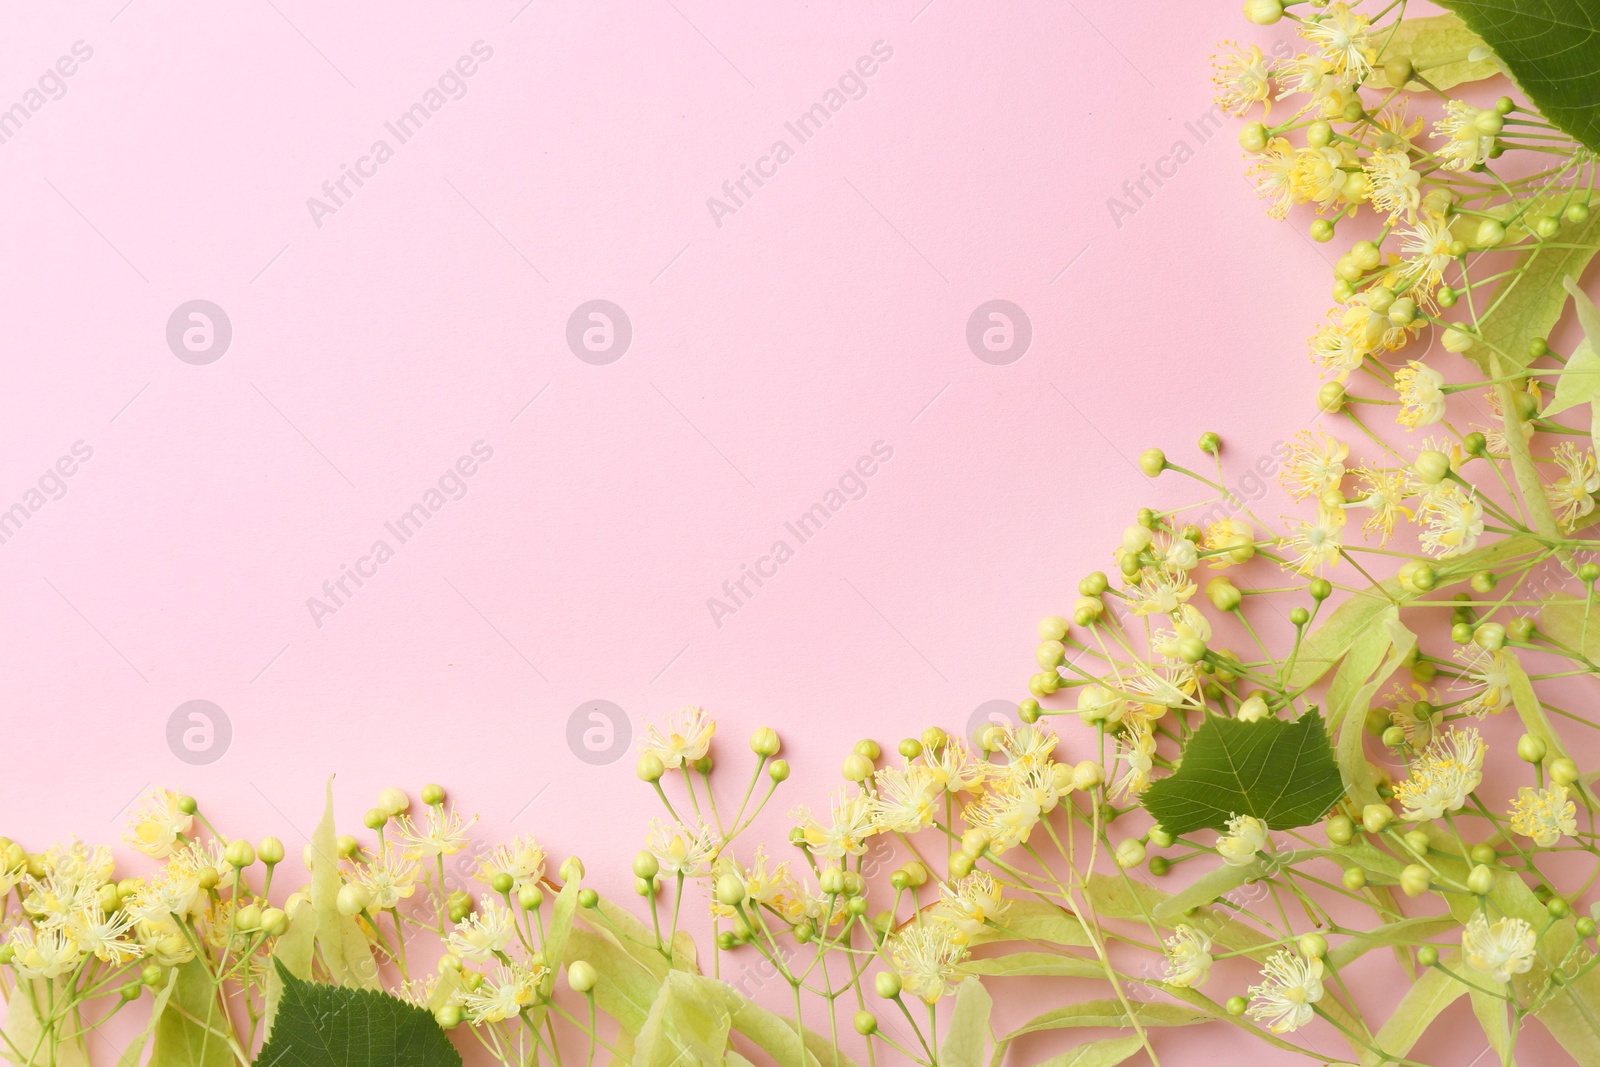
{"points": [[1576, 213], [1397, 72], [1223, 594], [650, 768], [1427, 956], [1546, 226], [353, 899], [1323, 231], [571, 869], [239, 853], [1152, 461], [1210, 443], [248, 918], [764, 742], [1461, 633], [1480, 879], [857, 767], [1365, 254], [188, 805], [1415, 880], [581, 976], [886, 985], [831, 881], [865, 1023], [1375, 818], [1253, 137], [529, 897], [271, 851], [778, 771], [916, 874], [130, 991], [374, 818], [1160, 865], [1531, 749], [1417, 842], [207, 878], [1331, 398], [1094, 584], [1235, 1005], [1458, 337], [1563, 771], [1052, 628], [274, 921], [1050, 654], [1403, 312], [1490, 636], [394, 801], [1432, 466], [1130, 853], [448, 1017], [1585, 927], [870, 749], [502, 883], [1394, 737], [433, 795], [1088, 609], [1299, 616], [961, 865], [1029, 711], [588, 898], [1088, 775], [151, 974], [910, 748], [1313, 946], [1341, 831], [645, 864], [1483, 852], [731, 890], [1558, 907]]}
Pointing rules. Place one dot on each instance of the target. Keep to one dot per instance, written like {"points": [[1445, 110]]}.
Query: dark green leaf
{"points": [[331, 1026], [1283, 773], [1553, 49]]}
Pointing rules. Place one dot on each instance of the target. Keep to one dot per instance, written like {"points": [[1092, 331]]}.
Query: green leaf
{"points": [[1552, 48], [1034, 920], [626, 989], [1043, 964], [1105, 1053], [1437, 46], [968, 1034], [1282, 773], [296, 947], [684, 1026], [1404, 930], [1375, 655], [194, 1031], [1530, 302], [1110, 1013], [1579, 382], [1427, 997], [346, 953], [1572, 622], [24, 1031], [327, 1026], [135, 1049]]}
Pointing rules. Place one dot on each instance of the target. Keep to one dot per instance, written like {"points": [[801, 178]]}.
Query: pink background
{"points": [[429, 312]]}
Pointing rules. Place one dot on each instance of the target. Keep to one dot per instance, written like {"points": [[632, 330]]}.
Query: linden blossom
{"points": [[851, 485], [850, 86], [451, 485]]}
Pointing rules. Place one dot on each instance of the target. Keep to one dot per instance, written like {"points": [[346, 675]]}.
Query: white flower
{"points": [[46, 954], [1246, 836], [1485, 671], [522, 859], [1453, 520], [1188, 957], [441, 834], [1392, 184], [966, 905], [484, 933], [680, 851], [158, 827], [1544, 814], [1346, 44], [388, 881], [1443, 776], [925, 955], [1284, 1000], [1501, 950], [504, 994], [1421, 390], [1465, 146], [686, 737]]}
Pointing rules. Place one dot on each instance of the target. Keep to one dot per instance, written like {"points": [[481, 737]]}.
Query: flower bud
{"points": [[353, 899], [1340, 830], [857, 767], [1432, 466], [448, 1017], [581, 976], [1152, 461], [239, 853], [1050, 654], [271, 851], [1087, 610], [1130, 853], [433, 795], [1253, 137], [1223, 594], [866, 1023], [778, 770], [1088, 775], [1563, 771], [394, 801], [1313, 946], [731, 890], [831, 881], [1531, 749], [1375, 818], [529, 897], [274, 922], [1052, 628], [1427, 956], [1263, 12], [1415, 879], [1480, 880], [248, 918], [887, 985], [1458, 338], [650, 768], [1331, 398]]}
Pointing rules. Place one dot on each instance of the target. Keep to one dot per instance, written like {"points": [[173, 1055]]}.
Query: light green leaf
{"points": [[194, 1030], [1530, 302], [968, 1034], [1572, 622], [684, 1026], [345, 950], [1373, 658], [1491, 1013], [1579, 382], [1105, 1053], [1034, 920], [1588, 314], [326, 1026], [1427, 997], [1282, 773], [1404, 930], [24, 1030], [1552, 48], [1045, 964], [135, 1049], [1436, 47], [625, 989], [1110, 1013]]}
